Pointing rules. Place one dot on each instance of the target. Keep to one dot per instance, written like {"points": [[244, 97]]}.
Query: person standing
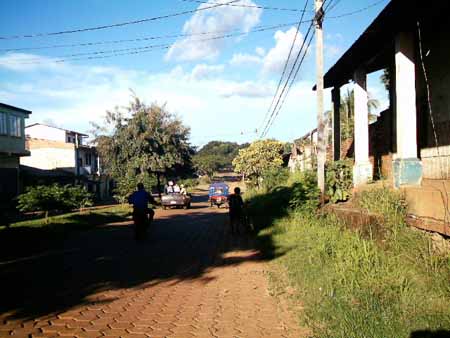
{"points": [[236, 205]]}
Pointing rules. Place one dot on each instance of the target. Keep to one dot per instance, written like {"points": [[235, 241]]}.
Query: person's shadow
{"points": [[430, 334]]}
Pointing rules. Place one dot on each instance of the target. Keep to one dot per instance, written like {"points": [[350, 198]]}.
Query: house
{"points": [[410, 142], [304, 152], [54, 148], [12, 148]]}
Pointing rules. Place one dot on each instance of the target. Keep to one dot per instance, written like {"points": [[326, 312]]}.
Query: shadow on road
{"points": [[69, 269]]}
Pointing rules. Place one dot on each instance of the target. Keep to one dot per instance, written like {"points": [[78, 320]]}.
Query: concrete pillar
{"points": [[362, 171], [407, 168], [336, 97]]}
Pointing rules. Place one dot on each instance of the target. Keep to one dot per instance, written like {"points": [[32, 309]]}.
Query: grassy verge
{"points": [[77, 220], [351, 286]]}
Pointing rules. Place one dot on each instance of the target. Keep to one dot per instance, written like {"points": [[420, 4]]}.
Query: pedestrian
{"points": [[236, 205]]}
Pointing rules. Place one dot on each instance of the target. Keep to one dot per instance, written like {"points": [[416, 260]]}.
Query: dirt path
{"points": [[189, 279]]}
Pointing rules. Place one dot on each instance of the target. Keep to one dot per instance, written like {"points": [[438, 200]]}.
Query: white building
{"points": [[57, 148]]}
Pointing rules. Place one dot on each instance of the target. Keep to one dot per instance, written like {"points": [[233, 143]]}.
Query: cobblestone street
{"points": [[189, 279]]}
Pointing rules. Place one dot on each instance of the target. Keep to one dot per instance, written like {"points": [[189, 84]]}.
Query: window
{"points": [[3, 124], [88, 159], [15, 126]]}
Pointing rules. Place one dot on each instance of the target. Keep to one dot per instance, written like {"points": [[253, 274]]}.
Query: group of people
{"points": [[174, 188]]}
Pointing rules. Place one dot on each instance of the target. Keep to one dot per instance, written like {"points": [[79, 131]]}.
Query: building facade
{"points": [[12, 148]]}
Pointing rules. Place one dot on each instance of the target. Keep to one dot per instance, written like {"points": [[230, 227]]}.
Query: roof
{"points": [[7, 106], [219, 185], [374, 48], [67, 130], [308, 135]]}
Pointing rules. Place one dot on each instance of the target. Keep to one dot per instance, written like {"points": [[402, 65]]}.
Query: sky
{"points": [[221, 88]]}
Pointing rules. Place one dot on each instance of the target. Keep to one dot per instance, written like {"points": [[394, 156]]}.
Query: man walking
{"points": [[236, 205]]}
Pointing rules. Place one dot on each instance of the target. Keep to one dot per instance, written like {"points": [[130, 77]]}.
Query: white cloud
{"points": [[217, 19], [260, 51], [21, 62], [204, 71], [276, 57], [240, 59], [247, 89]]}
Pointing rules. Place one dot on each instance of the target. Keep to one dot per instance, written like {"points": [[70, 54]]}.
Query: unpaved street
{"points": [[189, 279]]}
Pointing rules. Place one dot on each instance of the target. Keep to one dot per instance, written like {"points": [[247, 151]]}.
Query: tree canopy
{"points": [[261, 156], [140, 142]]}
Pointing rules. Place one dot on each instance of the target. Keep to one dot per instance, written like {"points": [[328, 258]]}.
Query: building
{"points": [[12, 148], [410, 143], [304, 152], [54, 148]]}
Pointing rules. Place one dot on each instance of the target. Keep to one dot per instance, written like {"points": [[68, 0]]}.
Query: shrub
{"points": [[274, 177], [54, 198], [305, 193], [339, 180], [189, 182]]}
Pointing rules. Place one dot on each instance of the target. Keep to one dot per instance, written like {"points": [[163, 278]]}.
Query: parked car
{"points": [[176, 200]]}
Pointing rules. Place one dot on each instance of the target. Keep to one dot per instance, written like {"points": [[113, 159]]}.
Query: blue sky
{"points": [[221, 88]]}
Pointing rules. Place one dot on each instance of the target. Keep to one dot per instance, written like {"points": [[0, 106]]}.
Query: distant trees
{"points": [[260, 157], [141, 144], [216, 155]]}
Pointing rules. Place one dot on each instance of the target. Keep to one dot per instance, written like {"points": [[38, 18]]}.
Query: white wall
{"points": [[50, 155], [46, 133]]}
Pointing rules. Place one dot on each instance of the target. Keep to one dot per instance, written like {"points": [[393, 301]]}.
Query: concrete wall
{"points": [[46, 133], [48, 155], [436, 162]]}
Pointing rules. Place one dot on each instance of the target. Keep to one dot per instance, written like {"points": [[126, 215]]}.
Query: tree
{"points": [[261, 156], [141, 144], [216, 155]]}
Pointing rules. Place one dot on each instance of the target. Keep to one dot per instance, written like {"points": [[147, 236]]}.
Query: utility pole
{"points": [[321, 151]]}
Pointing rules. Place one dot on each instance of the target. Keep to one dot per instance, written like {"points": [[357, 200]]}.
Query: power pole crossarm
{"points": [[321, 151]]}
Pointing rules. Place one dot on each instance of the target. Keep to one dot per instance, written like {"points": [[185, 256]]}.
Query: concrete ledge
{"points": [[362, 173]]}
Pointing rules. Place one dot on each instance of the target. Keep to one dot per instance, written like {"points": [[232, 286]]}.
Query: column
{"points": [[362, 170], [336, 97], [407, 168]]}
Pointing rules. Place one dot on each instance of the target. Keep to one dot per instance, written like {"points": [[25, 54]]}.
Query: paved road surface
{"points": [[189, 279]]}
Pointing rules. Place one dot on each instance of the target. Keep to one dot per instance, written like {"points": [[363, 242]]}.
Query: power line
{"points": [[252, 6], [356, 11], [147, 38], [120, 24], [136, 50], [285, 65], [278, 107]]}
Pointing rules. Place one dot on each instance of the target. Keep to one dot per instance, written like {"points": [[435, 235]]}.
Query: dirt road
{"points": [[189, 279]]}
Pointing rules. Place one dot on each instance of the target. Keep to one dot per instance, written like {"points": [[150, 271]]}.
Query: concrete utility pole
{"points": [[321, 151]]}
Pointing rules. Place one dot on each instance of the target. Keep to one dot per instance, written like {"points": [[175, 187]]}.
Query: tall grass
{"points": [[351, 286]]}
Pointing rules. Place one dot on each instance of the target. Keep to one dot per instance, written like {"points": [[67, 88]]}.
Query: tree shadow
{"points": [[66, 270], [430, 334]]}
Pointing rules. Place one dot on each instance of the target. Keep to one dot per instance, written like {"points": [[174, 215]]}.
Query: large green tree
{"points": [[260, 157], [141, 143]]}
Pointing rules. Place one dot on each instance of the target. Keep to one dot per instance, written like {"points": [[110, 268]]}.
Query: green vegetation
{"points": [[216, 155], [339, 180], [350, 285], [140, 143], [54, 198], [76, 220], [260, 157]]}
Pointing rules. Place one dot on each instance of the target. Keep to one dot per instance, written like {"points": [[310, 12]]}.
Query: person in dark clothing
{"points": [[142, 214], [236, 205]]}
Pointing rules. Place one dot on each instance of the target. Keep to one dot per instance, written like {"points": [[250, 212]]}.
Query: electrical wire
{"points": [[147, 38], [356, 11], [252, 6], [136, 50], [278, 107], [285, 65], [120, 24]]}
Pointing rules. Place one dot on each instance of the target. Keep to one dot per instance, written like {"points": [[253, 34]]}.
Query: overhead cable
{"points": [[252, 6], [120, 24]]}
